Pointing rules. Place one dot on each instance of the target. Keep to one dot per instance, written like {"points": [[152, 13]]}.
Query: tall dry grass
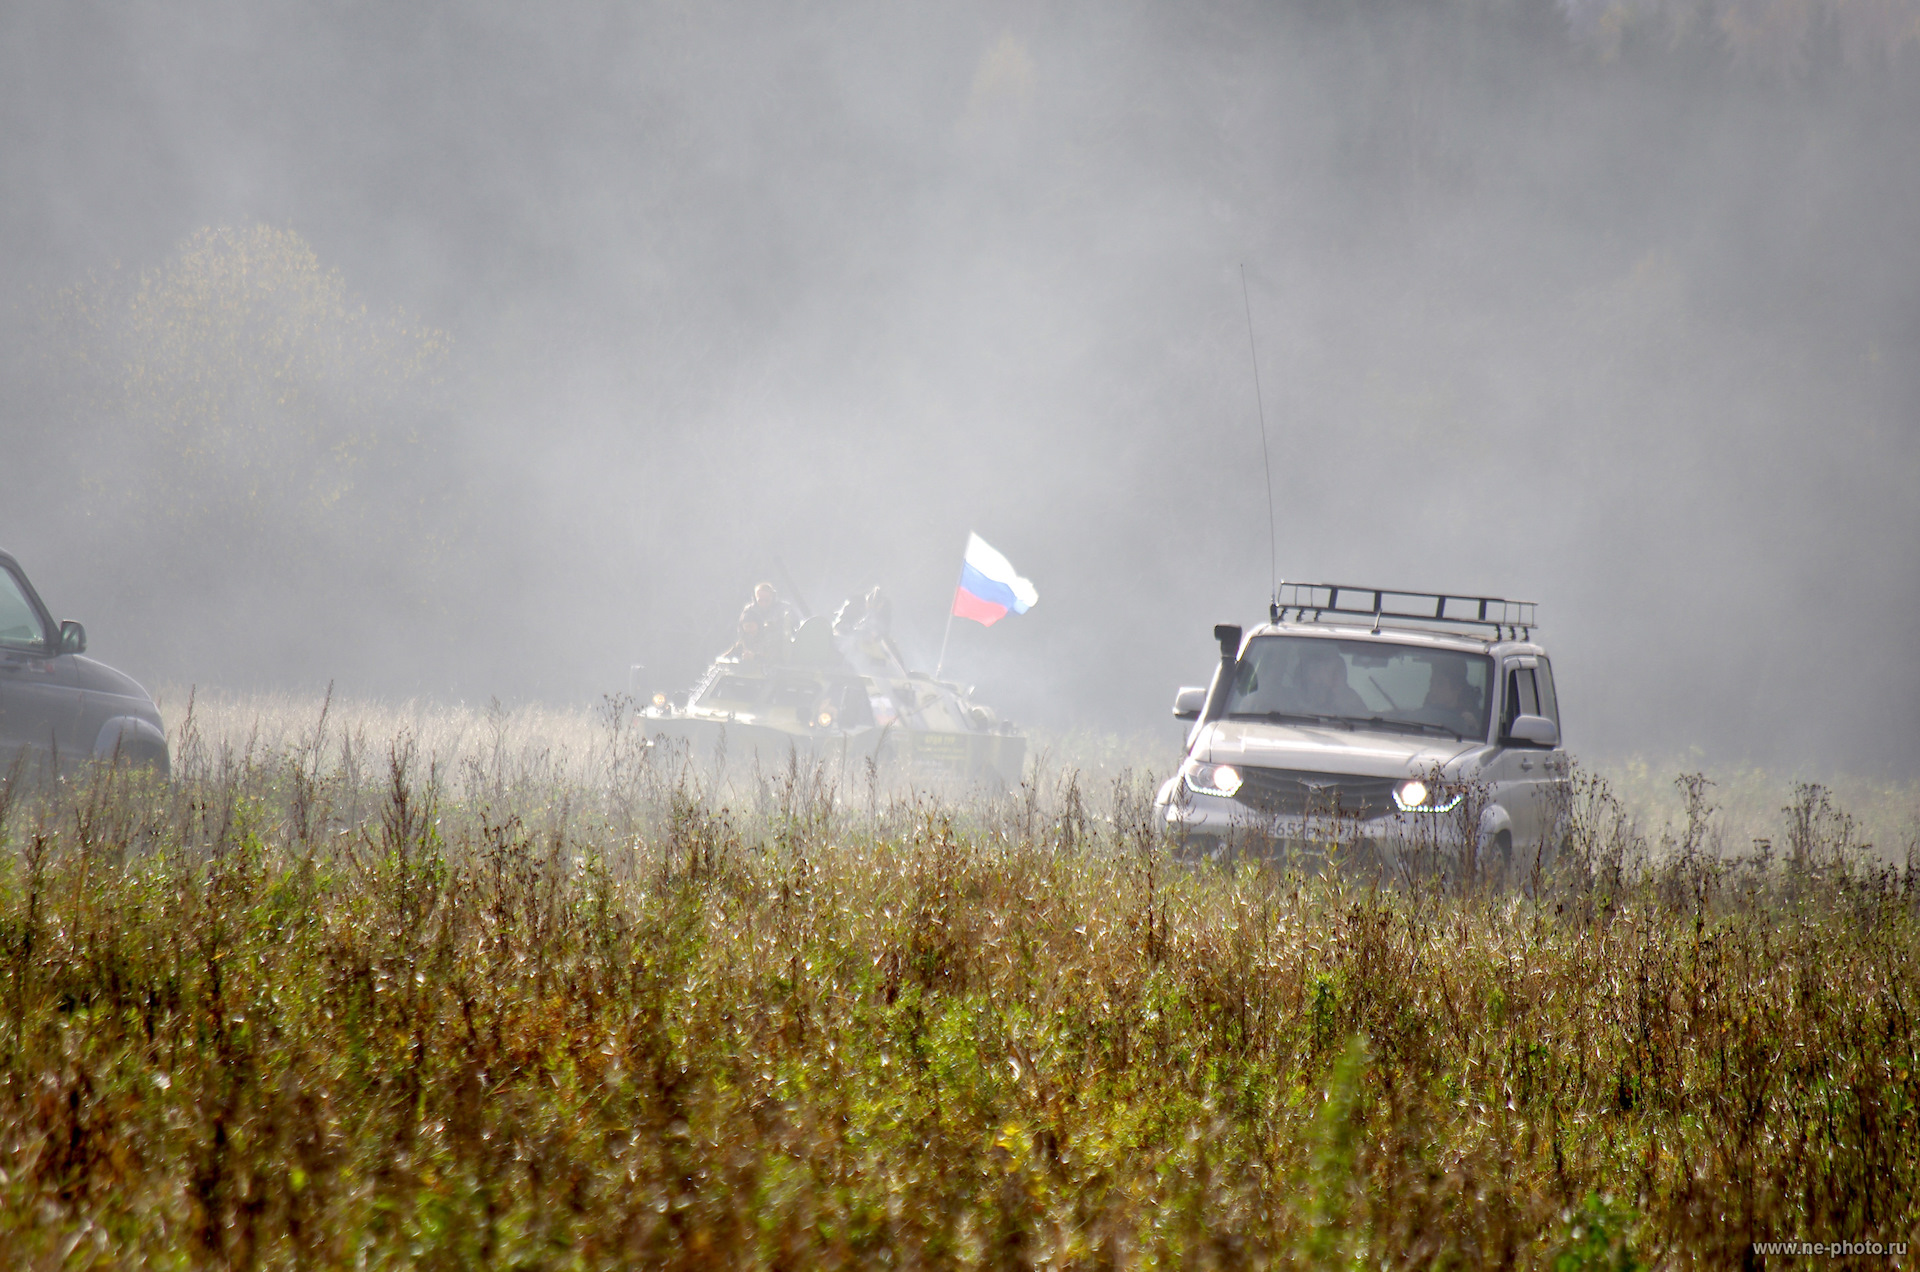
{"points": [[451, 989]]}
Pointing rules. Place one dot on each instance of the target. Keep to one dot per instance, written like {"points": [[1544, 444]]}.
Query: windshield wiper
{"points": [[1394, 723], [1292, 717], [1348, 722]]}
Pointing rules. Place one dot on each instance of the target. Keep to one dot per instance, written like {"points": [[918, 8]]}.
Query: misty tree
{"points": [[238, 394]]}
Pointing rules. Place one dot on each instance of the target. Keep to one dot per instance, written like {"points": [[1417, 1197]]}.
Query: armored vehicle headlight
{"points": [[659, 699], [1416, 795], [1211, 779], [824, 719]]}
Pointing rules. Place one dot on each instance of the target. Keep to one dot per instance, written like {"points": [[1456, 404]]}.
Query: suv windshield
{"points": [[1405, 688], [19, 625]]}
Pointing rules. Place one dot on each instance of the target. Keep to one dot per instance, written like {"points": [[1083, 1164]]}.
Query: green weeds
{"points": [[439, 999]]}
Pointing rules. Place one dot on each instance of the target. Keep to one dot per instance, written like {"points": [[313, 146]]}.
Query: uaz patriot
{"points": [[1374, 717]]}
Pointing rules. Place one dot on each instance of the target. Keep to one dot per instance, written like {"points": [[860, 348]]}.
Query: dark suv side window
{"points": [[20, 626]]}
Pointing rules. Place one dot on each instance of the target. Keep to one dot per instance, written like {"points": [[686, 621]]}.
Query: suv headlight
{"points": [[1211, 779], [1418, 796]]}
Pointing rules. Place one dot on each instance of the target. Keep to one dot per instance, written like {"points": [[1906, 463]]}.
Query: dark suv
{"points": [[58, 703]]}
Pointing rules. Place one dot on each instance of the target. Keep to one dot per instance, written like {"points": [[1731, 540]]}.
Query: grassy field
{"points": [[428, 987]]}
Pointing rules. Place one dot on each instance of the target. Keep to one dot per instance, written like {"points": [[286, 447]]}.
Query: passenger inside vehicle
{"points": [[1322, 687]]}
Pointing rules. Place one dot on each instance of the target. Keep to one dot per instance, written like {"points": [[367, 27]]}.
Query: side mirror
{"points": [[73, 638], [1188, 702], [1534, 730]]}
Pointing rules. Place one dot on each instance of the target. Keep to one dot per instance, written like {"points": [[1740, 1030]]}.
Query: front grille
{"points": [[1291, 793]]}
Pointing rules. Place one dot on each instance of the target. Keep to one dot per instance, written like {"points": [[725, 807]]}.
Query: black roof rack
{"points": [[1386, 603]]}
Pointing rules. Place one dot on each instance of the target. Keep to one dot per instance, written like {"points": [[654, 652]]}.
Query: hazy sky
{"points": [[1624, 324]]}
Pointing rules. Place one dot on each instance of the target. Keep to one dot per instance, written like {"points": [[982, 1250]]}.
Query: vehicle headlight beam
{"points": [[1416, 796], [1211, 779]]}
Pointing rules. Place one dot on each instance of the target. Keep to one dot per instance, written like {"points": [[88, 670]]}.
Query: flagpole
{"points": [[942, 660], [944, 639]]}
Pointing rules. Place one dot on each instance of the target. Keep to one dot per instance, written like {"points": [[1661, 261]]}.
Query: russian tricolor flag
{"points": [[989, 588]]}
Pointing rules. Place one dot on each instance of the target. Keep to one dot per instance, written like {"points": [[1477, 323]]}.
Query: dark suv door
{"points": [[39, 695]]}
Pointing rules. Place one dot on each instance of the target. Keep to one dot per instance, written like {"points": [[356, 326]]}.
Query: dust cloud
{"points": [[489, 350]]}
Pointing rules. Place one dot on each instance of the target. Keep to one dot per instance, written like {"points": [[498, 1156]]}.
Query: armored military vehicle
{"points": [[808, 698]]}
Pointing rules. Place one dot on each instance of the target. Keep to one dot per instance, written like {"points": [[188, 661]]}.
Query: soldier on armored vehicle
{"points": [[775, 617], [848, 697], [753, 644], [865, 634]]}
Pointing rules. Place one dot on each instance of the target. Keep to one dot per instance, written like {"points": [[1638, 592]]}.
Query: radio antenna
{"points": [[1266, 458]]}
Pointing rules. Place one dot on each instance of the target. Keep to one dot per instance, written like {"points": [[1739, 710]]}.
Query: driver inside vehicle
{"points": [[1451, 702]]}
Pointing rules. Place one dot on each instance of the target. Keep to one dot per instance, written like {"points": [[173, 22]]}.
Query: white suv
{"points": [[1378, 716]]}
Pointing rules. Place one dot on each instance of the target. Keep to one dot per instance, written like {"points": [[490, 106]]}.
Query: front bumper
{"points": [[1210, 826]]}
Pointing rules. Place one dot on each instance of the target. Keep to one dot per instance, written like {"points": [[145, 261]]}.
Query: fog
{"points": [[487, 350]]}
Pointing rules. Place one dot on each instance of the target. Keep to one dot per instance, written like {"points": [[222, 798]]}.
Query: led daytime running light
{"points": [[1212, 779]]}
